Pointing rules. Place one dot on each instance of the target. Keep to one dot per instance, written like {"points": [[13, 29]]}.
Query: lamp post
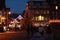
{"points": [[8, 13], [56, 8]]}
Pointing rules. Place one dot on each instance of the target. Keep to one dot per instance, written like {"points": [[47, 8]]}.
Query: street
{"points": [[13, 36], [22, 36]]}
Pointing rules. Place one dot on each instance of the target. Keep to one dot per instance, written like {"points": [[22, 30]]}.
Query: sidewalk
{"points": [[11, 32]]}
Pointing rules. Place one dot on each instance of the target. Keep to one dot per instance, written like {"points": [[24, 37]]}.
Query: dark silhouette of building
{"points": [[37, 11], [49, 9], [2, 10], [2, 4], [37, 8], [55, 8], [2, 7]]}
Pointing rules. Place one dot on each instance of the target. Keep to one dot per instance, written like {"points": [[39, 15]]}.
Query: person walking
{"points": [[41, 30]]}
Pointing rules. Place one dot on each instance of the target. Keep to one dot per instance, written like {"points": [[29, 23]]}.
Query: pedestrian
{"points": [[41, 30]]}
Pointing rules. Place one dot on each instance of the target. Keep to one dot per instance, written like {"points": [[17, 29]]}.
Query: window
{"points": [[40, 18], [47, 11]]}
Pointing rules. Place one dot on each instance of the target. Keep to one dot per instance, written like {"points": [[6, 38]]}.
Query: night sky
{"points": [[16, 6]]}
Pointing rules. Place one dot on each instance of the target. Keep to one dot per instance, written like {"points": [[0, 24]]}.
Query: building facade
{"points": [[2, 11], [55, 8], [37, 12]]}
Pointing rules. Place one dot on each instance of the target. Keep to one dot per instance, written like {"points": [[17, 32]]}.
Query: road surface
{"points": [[23, 36], [13, 36]]}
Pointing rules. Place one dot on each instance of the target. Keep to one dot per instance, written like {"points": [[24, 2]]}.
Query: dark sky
{"points": [[16, 6]]}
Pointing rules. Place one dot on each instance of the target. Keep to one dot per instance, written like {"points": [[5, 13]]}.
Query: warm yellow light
{"points": [[9, 13], [19, 26], [3, 18], [36, 18], [40, 18], [56, 7], [36, 24], [0, 23], [4, 28]]}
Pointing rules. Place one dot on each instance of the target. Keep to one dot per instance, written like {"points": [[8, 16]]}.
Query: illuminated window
{"points": [[40, 18]]}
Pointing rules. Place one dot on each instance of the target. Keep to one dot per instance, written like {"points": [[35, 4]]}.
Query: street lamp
{"points": [[56, 8], [8, 13]]}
